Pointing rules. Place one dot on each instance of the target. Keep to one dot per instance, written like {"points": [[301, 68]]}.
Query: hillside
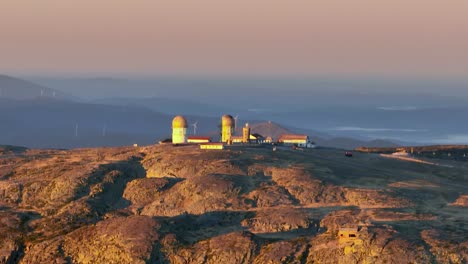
{"points": [[266, 129], [45, 122], [164, 204], [50, 123], [169, 106], [15, 88]]}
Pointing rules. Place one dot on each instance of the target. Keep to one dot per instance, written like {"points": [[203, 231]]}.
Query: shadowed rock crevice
{"points": [[190, 229]]}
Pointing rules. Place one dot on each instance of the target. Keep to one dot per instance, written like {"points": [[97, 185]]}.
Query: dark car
{"points": [[348, 154]]}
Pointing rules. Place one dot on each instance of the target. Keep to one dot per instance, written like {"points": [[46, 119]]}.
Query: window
{"points": [[352, 235]]}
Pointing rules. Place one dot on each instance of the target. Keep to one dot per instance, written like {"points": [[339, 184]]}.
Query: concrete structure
{"points": [[246, 134], [253, 138], [237, 139], [298, 140], [227, 128], [348, 234], [198, 139], [257, 138], [212, 146], [179, 130]]}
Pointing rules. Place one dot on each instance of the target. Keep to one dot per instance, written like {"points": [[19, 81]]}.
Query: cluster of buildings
{"points": [[228, 137]]}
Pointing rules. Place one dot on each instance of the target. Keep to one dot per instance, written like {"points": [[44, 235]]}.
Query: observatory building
{"points": [[179, 130], [227, 128]]}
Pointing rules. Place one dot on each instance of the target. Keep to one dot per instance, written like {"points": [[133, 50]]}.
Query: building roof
{"points": [[257, 136], [227, 120], [292, 137], [198, 138], [179, 122]]}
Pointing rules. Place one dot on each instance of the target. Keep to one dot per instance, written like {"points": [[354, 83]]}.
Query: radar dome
{"points": [[179, 122], [227, 120]]}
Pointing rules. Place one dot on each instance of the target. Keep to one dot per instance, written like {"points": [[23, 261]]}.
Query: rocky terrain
{"points": [[164, 204]]}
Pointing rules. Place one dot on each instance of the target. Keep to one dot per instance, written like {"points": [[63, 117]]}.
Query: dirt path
{"points": [[410, 159]]}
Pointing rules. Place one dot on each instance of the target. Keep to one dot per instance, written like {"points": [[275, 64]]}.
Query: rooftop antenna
{"points": [[195, 126]]}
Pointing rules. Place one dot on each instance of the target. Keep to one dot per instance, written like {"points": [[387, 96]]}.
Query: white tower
{"points": [[179, 130]]}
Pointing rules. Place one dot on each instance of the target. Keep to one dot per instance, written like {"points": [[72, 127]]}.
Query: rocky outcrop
{"points": [[310, 191], [279, 220], [271, 195], [141, 192], [461, 201], [119, 240], [447, 247], [164, 204], [294, 252], [186, 162], [10, 239], [232, 248], [198, 195]]}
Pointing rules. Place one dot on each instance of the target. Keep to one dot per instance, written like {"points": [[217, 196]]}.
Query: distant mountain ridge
{"points": [[15, 88], [48, 123], [36, 116], [169, 105]]}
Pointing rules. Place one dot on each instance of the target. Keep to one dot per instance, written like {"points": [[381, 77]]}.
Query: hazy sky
{"points": [[235, 37]]}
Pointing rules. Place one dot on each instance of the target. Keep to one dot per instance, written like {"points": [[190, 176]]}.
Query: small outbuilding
{"points": [[257, 138], [212, 146], [346, 234], [198, 139], [297, 140], [237, 139]]}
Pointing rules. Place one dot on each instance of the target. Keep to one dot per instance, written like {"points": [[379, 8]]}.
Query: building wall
{"points": [[227, 132], [198, 140], [236, 140], [246, 134], [348, 235], [295, 141], [179, 135], [212, 146]]}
